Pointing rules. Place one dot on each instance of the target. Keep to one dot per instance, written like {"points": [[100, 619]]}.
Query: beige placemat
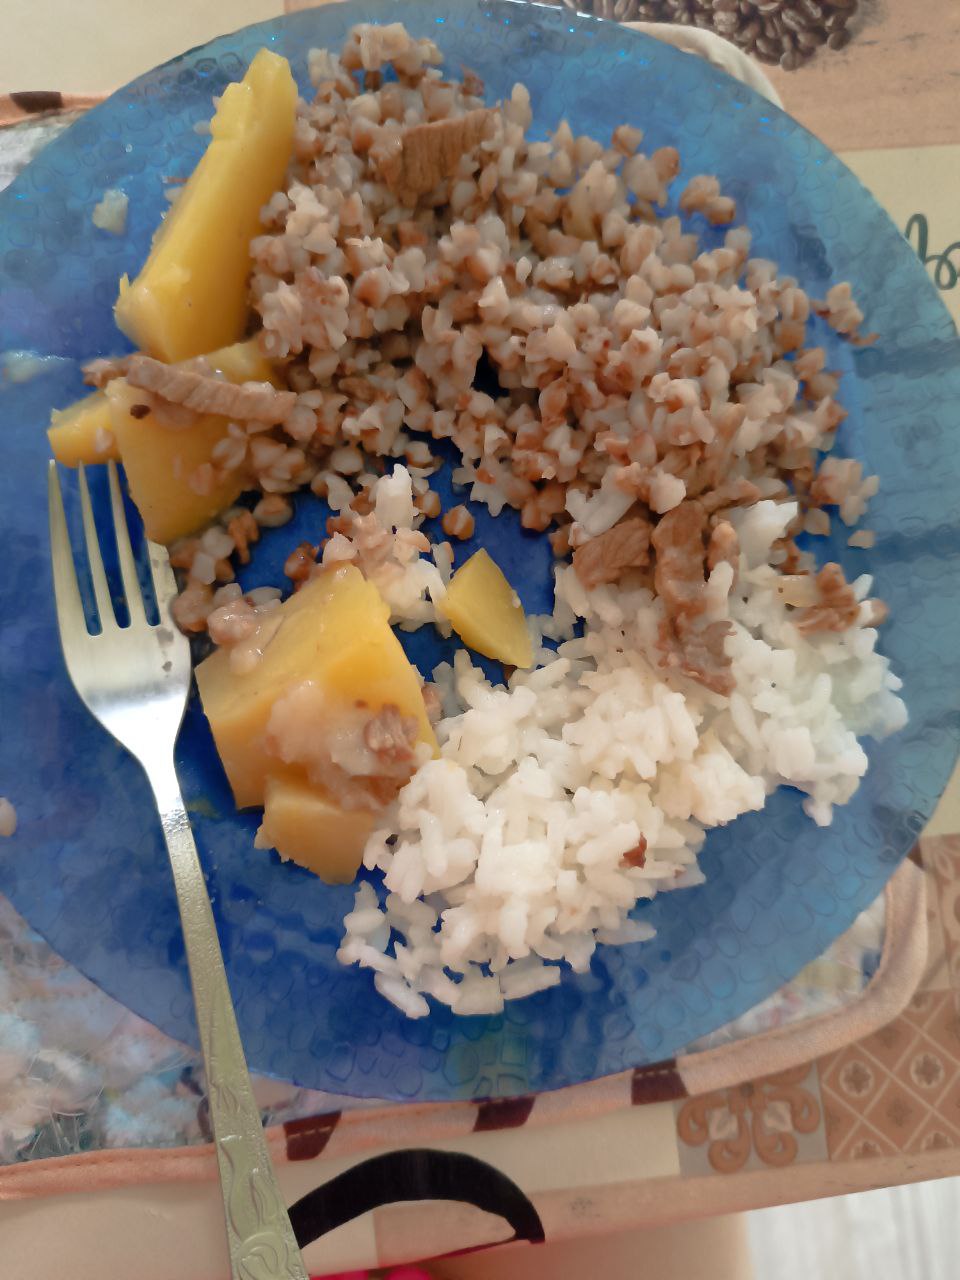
{"points": [[93, 46]]}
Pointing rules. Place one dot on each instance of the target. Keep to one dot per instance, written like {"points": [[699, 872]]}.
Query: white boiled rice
{"points": [[502, 859], [110, 212]]}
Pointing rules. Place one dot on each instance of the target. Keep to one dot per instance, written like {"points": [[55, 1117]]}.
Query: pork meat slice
{"points": [[691, 634], [205, 393], [422, 156], [97, 373], [836, 607], [608, 556]]}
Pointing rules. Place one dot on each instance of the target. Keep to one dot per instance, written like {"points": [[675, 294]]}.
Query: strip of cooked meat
{"points": [[422, 156], [608, 556], [837, 607], [202, 393], [690, 641], [696, 649], [678, 540], [97, 373]]}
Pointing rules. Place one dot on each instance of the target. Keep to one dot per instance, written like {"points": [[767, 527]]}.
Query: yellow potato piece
{"points": [[159, 460], [75, 433], [483, 609], [306, 825], [191, 295], [83, 432], [334, 632], [242, 362]]}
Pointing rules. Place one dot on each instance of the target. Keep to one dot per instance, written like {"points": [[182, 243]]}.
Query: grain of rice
{"points": [[110, 212]]}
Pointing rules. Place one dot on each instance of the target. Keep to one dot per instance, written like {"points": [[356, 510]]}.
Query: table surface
{"points": [[882, 1111]]}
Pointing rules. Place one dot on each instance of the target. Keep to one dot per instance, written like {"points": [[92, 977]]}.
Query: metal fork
{"points": [[135, 680]]}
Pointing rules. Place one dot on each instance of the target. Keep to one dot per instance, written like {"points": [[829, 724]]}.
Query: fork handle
{"points": [[259, 1235]]}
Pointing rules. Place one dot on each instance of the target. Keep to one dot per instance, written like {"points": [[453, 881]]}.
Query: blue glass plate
{"points": [[87, 867]]}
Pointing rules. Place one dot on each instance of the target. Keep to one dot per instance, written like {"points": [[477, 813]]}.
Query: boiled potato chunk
{"points": [[160, 460], [335, 633], [483, 609], [306, 825], [242, 362], [83, 432], [191, 295]]}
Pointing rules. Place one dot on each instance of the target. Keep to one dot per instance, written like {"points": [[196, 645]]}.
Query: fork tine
{"points": [[128, 568], [164, 582], [100, 589], [70, 617]]}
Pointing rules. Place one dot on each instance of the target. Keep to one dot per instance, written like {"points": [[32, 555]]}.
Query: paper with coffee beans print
{"points": [[877, 80], [785, 33]]}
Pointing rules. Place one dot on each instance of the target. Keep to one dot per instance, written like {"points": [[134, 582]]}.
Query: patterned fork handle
{"points": [[259, 1235], [135, 680]]}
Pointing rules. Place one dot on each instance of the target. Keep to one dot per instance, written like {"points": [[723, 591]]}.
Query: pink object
{"points": [[401, 1273], [408, 1273]]}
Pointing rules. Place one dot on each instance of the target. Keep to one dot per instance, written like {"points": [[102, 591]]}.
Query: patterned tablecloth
{"points": [[78, 1072], [82, 1079]]}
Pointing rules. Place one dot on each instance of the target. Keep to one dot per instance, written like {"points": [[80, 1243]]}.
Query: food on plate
{"points": [[609, 360], [486, 612], [159, 461], [110, 212], [83, 432], [306, 825], [172, 455], [191, 295], [318, 684]]}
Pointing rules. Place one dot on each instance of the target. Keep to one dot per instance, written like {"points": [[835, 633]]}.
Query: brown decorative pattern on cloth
{"points": [[941, 859], [503, 1113], [660, 1082], [762, 1122], [38, 101], [716, 1072], [897, 1091], [307, 1138], [33, 103]]}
